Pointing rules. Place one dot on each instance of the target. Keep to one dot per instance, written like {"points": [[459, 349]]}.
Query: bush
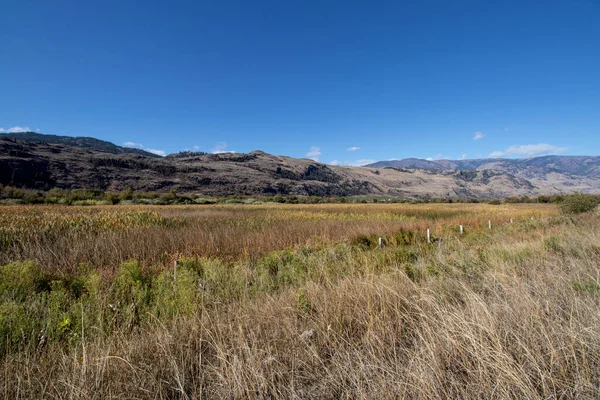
{"points": [[20, 280], [113, 198], [579, 203]]}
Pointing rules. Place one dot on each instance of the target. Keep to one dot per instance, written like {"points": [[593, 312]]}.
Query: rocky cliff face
{"points": [[43, 162]]}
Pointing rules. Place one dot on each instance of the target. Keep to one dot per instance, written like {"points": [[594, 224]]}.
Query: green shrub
{"points": [[176, 296], [126, 194], [279, 269], [113, 198], [131, 294], [302, 302], [18, 325], [579, 203], [20, 280]]}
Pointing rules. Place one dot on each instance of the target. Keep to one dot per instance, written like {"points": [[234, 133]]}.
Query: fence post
{"points": [[490, 224], [428, 236], [380, 243], [461, 230]]}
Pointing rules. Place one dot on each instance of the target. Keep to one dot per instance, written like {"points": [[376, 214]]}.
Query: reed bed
{"points": [[304, 305], [61, 237]]}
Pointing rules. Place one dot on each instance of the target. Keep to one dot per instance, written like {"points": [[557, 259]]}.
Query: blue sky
{"points": [[342, 82]]}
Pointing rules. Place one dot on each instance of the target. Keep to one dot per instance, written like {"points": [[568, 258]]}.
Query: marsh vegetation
{"points": [[299, 301]]}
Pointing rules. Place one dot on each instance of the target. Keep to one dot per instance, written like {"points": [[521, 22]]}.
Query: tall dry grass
{"points": [[511, 313], [61, 237]]}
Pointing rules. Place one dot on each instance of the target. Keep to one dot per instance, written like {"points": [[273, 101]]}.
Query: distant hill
{"points": [[576, 165], [88, 143], [33, 160], [550, 174]]}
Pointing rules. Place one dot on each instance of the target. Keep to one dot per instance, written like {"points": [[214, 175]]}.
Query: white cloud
{"points": [[133, 144], [157, 152], [196, 148], [314, 153], [530, 150], [15, 129], [220, 148], [437, 157], [357, 163], [478, 135], [361, 162], [463, 157], [353, 148]]}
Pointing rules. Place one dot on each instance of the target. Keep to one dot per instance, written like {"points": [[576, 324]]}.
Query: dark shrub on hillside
{"points": [[579, 203]]}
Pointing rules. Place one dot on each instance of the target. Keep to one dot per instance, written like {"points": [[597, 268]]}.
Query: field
{"points": [[299, 301]]}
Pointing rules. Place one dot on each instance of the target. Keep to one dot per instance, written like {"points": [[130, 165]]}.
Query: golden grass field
{"points": [[298, 301]]}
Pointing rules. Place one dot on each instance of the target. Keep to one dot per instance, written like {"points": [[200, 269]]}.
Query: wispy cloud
{"points": [[529, 150], [357, 163], [463, 157], [134, 145], [362, 161], [16, 129], [353, 148], [157, 152], [314, 153], [195, 147], [220, 148], [437, 157], [478, 135]]}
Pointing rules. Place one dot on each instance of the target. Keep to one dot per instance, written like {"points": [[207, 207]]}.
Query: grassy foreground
{"points": [[299, 302]]}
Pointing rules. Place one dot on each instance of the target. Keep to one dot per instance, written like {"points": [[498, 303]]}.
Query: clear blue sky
{"points": [[393, 79]]}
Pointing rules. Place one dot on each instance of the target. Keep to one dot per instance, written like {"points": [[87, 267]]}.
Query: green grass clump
{"points": [[20, 280], [587, 286]]}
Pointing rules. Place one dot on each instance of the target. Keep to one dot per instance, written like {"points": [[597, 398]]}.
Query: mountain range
{"points": [[33, 160]]}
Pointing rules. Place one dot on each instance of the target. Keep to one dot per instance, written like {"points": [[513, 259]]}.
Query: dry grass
{"points": [[511, 313], [60, 237]]}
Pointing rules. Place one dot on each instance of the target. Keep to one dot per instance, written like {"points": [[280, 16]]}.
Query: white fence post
{"points": [[490, 224], [428, 236], [380, 243], [461, 230]]}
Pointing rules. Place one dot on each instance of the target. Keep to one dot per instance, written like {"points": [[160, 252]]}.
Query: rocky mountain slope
{"points": [[82, 142], [549, 174], [43, 161]]}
